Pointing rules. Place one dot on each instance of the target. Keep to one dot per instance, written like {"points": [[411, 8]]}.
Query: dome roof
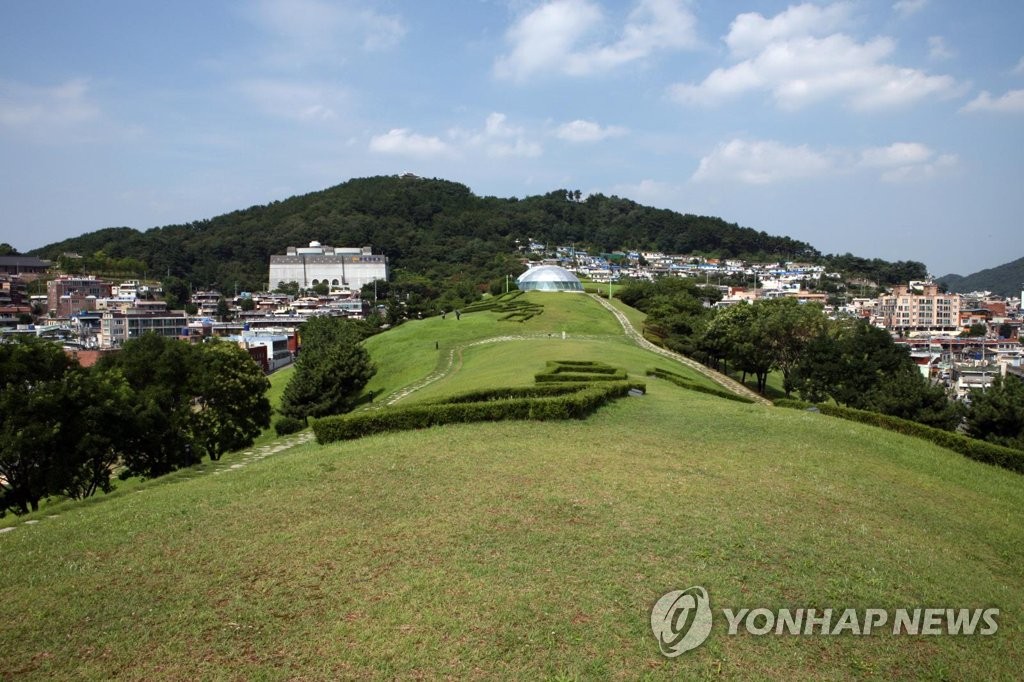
{"points": [[548, 278]]}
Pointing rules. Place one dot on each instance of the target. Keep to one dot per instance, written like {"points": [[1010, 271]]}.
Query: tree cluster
{"points": [[848, 361], [157, 405]]}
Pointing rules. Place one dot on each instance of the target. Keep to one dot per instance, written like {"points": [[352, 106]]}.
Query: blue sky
{"points": [[885, 128]]}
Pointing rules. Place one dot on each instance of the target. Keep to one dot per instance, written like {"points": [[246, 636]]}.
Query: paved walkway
{"points": [[725, 382]]}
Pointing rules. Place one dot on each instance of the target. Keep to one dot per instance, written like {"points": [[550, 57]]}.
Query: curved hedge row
{"points": [[575, 405], [689, 384], [975, 449]]}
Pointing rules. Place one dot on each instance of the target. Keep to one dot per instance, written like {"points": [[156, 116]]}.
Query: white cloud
{"points": [[1010, 103], [404, 142], [305, 31], [906, 8], [792, 61], [938, 50], [918, 172], [498, 139], [897, 154], [550, 38], [587, 131], [751, 32], [761, 163], [764, 162], [304, 102], [42, 109]]}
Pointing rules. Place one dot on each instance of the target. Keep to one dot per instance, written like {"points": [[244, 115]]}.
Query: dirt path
{"points": [[725, 382]]}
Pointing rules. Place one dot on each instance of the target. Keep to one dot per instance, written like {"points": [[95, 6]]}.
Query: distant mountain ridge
{"points": [[430, 227], [1005, 280], [440, 234]]}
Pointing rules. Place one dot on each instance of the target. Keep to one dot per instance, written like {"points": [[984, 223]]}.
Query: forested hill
{"points": [[1005, 280], [434, 228]]}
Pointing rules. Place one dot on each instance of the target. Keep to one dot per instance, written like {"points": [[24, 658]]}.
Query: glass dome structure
{"points": [[548, 278]]}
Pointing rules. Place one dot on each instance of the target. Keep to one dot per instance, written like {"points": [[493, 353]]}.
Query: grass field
{"points": [[527, 550]]}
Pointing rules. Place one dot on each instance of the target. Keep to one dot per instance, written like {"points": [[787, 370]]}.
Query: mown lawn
{"points": [[528, 551]]}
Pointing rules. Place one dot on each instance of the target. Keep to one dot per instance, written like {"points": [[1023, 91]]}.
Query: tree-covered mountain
{"points": [[435, 228], [436, 234], [1005, 280]]}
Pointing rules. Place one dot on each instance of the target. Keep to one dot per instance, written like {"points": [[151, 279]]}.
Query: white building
{"points": [[339, 268]]}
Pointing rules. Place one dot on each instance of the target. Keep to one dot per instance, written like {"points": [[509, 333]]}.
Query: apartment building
{"points": [[918, 307]]}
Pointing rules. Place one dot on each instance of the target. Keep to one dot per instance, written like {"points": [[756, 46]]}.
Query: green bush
{"points": [[575, 405], [287, 425], [979, 450], [691, 385]]}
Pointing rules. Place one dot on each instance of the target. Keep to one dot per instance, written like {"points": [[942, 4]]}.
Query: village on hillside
{"points": [[961, 340]]}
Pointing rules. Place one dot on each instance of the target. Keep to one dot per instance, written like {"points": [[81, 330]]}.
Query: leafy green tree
{"points": [[332, 368], [288, 288], [246, 304], [160, 371], [908, 395], [94, 435], [223, 311], [996, 414], [8, 250], [848, 363], [176, 292], [31, 385], [789, 327], [976, 329], [230, 404], [190, 401]]}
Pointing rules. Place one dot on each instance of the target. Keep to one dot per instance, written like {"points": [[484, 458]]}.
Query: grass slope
{"points": [[527, 550]]}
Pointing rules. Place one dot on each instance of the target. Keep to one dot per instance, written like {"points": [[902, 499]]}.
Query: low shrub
{"points": [[288, 425], [975, 449]]}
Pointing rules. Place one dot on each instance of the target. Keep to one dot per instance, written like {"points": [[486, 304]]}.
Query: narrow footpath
{"points": [[725, 382]]}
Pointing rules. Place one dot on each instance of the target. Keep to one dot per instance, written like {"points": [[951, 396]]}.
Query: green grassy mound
{"points": [[528, 550]]}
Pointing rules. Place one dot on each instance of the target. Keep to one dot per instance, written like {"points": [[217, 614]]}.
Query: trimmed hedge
{"points": [[515, 311], [689, 384], [288, 425], [579, 370], [505, 393], [975, 449], [575, 405]]}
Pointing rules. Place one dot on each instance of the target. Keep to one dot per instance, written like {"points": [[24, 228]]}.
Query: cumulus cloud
{"points": [[764, 162], [751, 32], [795, 57], [552, 38], [43, 108], [404, 142], [1010, 103], [761, 163], [497, 139], [906, 161], [907, 8], [587, 131], [314, 31]]}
